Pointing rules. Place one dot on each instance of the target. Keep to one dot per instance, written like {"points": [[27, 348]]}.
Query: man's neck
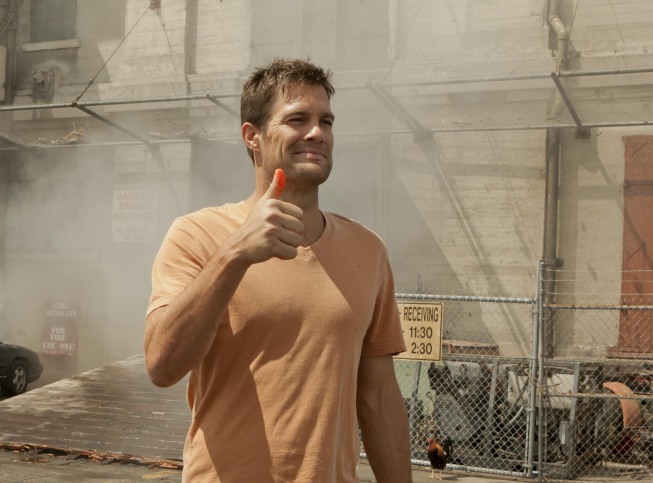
{"points": [[314, 225]]}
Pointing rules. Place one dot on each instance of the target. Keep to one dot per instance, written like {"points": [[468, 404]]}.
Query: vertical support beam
{"points": [[532, 375], [573, 411], [412, 413], [550, 242], [490, 418], [4, 189], [190, 42], [10, 69]]}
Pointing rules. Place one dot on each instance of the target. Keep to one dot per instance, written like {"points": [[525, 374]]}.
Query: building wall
{"points": [[461, 212]]}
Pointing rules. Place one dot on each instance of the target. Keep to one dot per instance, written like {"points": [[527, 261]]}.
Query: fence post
{"points": [[412, 412], [532, 374]]}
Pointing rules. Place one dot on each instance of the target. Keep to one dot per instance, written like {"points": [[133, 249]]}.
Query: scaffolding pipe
{"points": [[111, 123], [507, 78], [533, 370], [434, 82], [154, 150], [563, 94], [223, 106]]}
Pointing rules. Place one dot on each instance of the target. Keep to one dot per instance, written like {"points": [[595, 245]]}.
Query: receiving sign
{"points": [[422, 327]]}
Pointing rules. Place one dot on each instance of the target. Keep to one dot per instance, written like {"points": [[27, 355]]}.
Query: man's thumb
{"points": [[277, 185]]}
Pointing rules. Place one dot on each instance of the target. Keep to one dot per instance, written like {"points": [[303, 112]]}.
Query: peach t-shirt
{"points": [[275, 398]]}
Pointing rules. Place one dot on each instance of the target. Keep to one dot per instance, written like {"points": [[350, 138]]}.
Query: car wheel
{"points": [[16, 383]]}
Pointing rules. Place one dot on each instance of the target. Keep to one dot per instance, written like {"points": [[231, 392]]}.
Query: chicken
{"points": [[439, 455]]}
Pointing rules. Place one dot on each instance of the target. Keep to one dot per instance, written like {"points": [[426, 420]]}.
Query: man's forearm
{"points": [[177, 337], [384, 428], [388, 451]]}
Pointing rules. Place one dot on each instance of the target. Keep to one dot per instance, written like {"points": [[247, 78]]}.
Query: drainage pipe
{"points": [[562, 49], [562, 34], [550, 242]]}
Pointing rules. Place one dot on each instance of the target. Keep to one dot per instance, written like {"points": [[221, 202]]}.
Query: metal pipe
{"points": [[4, 164], [562, 43], [435, 82], [463, 298], [533, 370], [223, 106], [562, 34], [507, 78], [111, 123], [541, 434], [550, 238], [563, 94], [154, 150], [599, 307], [190, 40], [10, 66]]}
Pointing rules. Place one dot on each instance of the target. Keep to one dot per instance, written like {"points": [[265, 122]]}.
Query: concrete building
{"points": [[476, 137]]}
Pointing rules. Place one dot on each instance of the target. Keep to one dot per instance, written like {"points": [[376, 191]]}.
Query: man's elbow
{"points": [[158, 372]]}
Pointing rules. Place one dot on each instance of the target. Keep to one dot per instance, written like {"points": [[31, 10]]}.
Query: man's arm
{"points": [[383, 420], [178, 336]]}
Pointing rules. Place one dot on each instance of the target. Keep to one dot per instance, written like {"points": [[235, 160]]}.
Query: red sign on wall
{"points": [[60, 327]]}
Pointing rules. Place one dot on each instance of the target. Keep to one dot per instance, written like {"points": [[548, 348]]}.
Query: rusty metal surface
{"points": [[111, 409]]}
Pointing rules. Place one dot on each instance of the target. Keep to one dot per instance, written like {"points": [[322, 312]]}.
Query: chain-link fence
{"points": [[552, 387], [596, 377]]}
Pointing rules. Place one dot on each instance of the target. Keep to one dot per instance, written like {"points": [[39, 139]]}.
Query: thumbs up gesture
{"points": [[278, 184], [274, 228]]}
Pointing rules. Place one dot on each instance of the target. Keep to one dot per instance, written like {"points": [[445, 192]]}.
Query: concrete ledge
{"points": [[52, 45]]}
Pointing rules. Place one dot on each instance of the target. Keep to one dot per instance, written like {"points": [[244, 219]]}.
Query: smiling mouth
{"points": [[311, 153]]}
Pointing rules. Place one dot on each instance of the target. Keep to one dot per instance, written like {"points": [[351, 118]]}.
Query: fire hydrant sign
{"points": [[60, 327], [422, 327]]}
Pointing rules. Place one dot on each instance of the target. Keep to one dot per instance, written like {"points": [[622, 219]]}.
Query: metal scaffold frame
{"points": [[384, 95]]}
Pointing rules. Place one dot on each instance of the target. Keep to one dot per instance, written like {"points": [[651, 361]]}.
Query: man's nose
{"points": [[315, 132]]}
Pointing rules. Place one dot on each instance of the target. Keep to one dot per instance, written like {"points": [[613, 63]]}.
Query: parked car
{"points": [[18, 367]]}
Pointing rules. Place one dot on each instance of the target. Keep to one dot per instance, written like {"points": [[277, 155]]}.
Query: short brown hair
{"points": [[263, 84]]}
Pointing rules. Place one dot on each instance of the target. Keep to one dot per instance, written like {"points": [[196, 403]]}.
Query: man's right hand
{"points": [[274, 228]]}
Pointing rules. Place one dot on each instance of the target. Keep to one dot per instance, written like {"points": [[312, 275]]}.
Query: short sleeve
{"points": [[384, 335]]}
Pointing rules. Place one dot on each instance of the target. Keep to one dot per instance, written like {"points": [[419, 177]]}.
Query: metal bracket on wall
{"points": [[222, 105], [582, 132], [552, 263]]}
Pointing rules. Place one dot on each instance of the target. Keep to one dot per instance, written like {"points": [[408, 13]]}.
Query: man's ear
{"points": [[250, 134]]}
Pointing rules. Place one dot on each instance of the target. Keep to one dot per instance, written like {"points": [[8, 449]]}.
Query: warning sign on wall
{"points": [[134, 216], [422, 327]]}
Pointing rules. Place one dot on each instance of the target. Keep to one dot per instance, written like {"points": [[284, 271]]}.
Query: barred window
{"points": [[53, 20]]}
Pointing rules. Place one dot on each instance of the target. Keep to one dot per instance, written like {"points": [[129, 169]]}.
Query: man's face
{"points": [[299, 136]]}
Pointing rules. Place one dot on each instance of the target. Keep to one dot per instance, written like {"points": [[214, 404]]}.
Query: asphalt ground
{"points": [[43, 467], [112, 425]]}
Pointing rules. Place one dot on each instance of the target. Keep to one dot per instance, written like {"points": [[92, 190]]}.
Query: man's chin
{"points": [[310, 173]]}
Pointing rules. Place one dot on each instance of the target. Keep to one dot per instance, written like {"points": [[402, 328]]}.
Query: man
{"points": [[285, 316]]}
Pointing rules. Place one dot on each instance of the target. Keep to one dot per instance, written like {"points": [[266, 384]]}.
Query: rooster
{"points": [[439, 455]]}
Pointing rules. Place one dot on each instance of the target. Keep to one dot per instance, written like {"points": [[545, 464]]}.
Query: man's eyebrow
{"points": [[306, 112]]}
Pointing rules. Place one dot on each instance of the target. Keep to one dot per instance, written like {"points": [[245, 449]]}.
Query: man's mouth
{"points": [[310, 153]]}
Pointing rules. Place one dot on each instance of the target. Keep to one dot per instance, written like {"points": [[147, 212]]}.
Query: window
{"points": [[53, 20]]}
